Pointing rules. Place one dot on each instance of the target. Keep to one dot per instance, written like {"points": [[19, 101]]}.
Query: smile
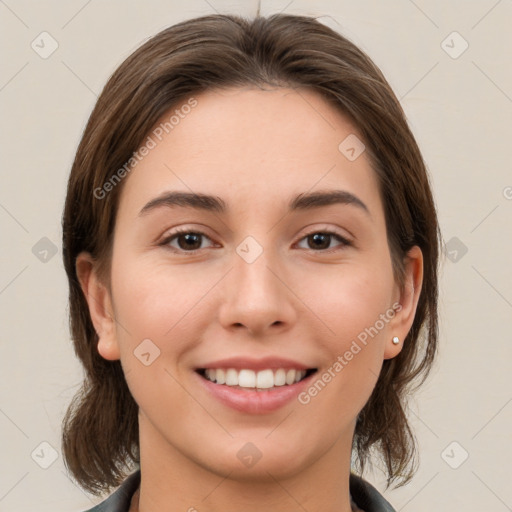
{"points": [[255, 380]]}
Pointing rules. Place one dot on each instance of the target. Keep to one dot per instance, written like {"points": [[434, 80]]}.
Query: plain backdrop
{"points": [[449, 63]]}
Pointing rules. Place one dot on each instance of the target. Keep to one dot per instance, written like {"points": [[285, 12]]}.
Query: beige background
{"points": [[460, 111]]}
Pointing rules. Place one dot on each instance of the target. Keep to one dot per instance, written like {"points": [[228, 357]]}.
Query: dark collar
{"points": [[365, 496], [120, 500]]}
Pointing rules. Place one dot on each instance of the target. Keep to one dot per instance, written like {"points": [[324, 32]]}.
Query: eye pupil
{"points": [[320, 237], [190, 238]]}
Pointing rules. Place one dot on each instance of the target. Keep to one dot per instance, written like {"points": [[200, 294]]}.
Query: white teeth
{"points": [[220, 376], [290, 376], [247, 379], [264, 379], [231, 377], [280, 377]]}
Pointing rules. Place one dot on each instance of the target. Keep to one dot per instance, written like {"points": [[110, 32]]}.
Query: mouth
{"points": [[268, 379]]}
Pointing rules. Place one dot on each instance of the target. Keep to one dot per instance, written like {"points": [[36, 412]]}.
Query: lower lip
{"points": [[251, 401]]}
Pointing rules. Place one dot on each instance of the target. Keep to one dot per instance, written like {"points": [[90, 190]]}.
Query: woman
{"points": [[251, 244]]}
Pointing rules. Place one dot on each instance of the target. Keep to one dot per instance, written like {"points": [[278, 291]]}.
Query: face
{"points": [[258, 285]]}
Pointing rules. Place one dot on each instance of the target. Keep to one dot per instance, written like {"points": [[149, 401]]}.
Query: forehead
{"points": [[250, 146]]}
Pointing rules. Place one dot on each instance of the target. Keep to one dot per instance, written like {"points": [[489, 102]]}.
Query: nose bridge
{"points": [[254, 294]]}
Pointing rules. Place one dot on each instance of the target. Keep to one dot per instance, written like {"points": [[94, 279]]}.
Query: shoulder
{"points": [[366, 497], [119, 501]]}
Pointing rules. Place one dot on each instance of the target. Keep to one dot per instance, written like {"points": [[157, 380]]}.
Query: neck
{"points": [[172, 481]]}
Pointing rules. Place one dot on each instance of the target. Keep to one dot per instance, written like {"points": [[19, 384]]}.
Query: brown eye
{"points": [[187, 241], [321, 240]]}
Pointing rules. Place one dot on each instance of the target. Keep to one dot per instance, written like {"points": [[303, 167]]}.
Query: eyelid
{"points": [[328, 229]]}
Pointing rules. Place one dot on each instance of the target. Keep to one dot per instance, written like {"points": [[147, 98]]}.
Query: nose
{"points": [[257, 296]]}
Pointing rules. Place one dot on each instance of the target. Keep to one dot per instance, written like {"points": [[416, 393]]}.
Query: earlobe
{"points": [[408, 301], [100, 306], [393, 347]]}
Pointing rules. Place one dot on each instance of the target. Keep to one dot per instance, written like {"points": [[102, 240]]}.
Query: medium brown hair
{"points": [[100, 439]]}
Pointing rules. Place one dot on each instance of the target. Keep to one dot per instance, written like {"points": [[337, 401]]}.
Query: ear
{"points": [[100, 306], [406, 301]]}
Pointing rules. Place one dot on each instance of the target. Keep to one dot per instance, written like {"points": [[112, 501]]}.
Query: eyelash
{"points": [[185, 231]]}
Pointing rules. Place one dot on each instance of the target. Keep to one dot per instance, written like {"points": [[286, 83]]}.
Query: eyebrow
{"points": [[304, 201]]}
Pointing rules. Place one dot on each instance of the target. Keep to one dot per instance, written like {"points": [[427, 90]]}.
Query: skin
{"points": [[255, 149]]}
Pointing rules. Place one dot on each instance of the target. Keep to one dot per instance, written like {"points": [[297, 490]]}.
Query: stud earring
{"points": [[396, 340]]}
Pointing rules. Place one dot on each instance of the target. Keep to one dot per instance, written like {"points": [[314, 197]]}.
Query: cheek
{"points": [[154, 331], [350, 305], [144, 300], [161, 302], [151, 297], [350, 300]]}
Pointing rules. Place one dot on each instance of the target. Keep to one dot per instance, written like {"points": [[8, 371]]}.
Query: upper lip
{"points": [[250, 363]]}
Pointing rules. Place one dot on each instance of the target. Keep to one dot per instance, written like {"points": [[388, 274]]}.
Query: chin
{"points": [[258, 460]]}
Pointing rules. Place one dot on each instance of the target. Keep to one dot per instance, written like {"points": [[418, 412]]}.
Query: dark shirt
{"points": [[363, 494]]}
